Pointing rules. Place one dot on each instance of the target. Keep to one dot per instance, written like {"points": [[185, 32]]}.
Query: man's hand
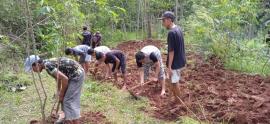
{"points": [[141, 82], [115, 72], [107, 76], [61, 98], [62, 80], [95, 70], [169, 71], [55, 95], [154, 79]]}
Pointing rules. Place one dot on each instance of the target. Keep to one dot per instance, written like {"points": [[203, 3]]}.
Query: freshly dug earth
{"points": [[209, 92], [94, 118], [86, 118]]}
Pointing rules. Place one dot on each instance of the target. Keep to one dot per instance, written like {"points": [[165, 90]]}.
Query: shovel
{"points": [[135, 87], [59, 120], [53, 108]]}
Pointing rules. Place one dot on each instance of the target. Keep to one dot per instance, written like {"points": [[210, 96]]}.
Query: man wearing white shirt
{"points": [[102, 49], [81, 51], [150, 56]]}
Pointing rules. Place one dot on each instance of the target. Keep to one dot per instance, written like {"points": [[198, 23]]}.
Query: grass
{"points": [[119, 37], [251, 57], [242, 55], [116, 105], [21, 107]]}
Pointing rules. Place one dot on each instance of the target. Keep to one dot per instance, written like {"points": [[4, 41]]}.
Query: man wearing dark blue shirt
{"points": [[118, 59], [87, 36], [176, 58]]}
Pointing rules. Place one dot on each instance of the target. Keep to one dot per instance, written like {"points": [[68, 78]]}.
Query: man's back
{"points": [[102, 49], [82, 48], [149, 49]]}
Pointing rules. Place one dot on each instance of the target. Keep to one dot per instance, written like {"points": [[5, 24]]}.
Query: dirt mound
{"points": [[86, 117], [209, 92], [93, 118]]}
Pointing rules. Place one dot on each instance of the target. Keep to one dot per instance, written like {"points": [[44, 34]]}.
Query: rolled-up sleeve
{"points": [[50, 68]]}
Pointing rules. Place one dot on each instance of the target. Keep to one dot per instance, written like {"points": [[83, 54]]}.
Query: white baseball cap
{"points": [[29, 61]]}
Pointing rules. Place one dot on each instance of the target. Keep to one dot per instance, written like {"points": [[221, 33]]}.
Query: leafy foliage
{"points": [[221, 27], [229, 29]]}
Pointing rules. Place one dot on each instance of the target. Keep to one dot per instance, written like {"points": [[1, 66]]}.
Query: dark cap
{"points": [[168, 15], [84, 27], [99, 55], [91, 51], [139, 56], [68, 51]]}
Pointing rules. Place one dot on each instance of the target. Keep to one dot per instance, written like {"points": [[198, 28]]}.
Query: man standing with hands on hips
{"points": [[176, 58]]}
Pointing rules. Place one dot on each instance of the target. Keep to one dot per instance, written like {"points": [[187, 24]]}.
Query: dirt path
{"points": [[209, 91]]}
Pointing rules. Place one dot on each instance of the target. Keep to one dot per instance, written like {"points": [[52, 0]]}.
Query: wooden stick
{"points": [[57, 107], [139, 85], [134, 95], [53, 107], [257, 98], [188, 108]]}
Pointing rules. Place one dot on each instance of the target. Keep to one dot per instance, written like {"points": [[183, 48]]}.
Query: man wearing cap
{"points": [[80, 50], [176, 58], [87, 36], [69, 76], [118, 59], [150, 56]]}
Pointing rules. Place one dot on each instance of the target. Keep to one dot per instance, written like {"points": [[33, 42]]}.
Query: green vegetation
{"points": [[232, 30], [21, 107], [116, 105]]}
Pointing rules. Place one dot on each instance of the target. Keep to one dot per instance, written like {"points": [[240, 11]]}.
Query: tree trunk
{"points": [[148, 19], [138, 17], [181, 8], [142, 17], [123, 26], [176, 11], [30, 33]]}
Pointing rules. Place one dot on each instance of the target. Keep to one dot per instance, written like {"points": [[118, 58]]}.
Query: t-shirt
{"points": [[67, 66], [176, 43], [111, 58], [81, 50], [86, 38], [102, 49], [152, 54]]}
